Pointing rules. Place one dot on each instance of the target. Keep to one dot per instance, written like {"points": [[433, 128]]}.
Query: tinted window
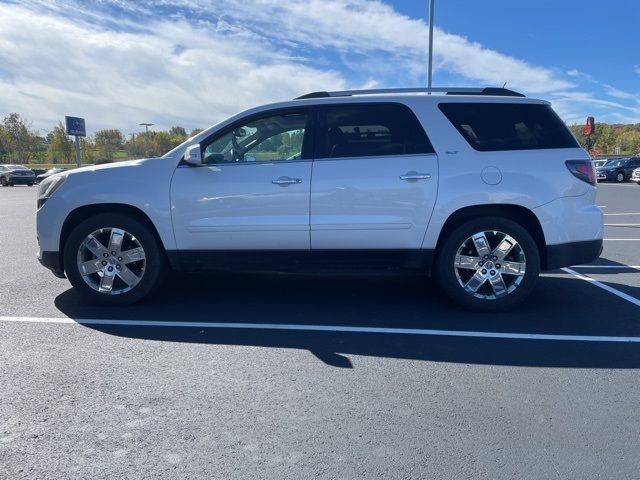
{"points": [[508, 126], [270, 138], [370, 130]]}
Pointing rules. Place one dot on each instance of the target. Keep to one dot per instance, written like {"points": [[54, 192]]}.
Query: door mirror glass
{"points": [[192, 155]]}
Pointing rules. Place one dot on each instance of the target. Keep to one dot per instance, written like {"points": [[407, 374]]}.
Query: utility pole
{"points": [[431, 9]]}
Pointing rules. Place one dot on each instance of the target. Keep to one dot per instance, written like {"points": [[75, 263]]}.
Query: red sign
{"points": [[589, 127]]}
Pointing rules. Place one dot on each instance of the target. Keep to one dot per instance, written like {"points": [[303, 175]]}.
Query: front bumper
{"points": [[635, 177], [572, 253], [52, 261]]}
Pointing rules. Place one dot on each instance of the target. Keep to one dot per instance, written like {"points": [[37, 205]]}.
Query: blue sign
{"points": [[75, 126]]}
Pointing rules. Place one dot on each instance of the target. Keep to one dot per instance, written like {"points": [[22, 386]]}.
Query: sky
{"points": [[193, 63]]}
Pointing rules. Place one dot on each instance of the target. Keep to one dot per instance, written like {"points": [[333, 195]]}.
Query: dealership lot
{"points": [[285, 376]]}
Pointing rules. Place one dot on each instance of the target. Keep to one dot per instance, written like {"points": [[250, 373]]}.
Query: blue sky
{"points": [[194, 62]]}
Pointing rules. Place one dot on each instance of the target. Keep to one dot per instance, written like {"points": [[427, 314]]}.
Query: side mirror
{"points": [[192, 155]]}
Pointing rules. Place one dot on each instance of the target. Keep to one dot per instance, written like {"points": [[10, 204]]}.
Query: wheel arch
{"points": [[80, 214], [517, 213]]}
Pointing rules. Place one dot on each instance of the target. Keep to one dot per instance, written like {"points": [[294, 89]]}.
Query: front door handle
{"points": [[414, 176], [284, 181]]}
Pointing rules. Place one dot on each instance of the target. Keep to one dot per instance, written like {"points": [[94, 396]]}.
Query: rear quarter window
{"points": [[508, 126]]}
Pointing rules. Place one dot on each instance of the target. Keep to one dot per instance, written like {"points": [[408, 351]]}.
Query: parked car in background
{"points": [[618, 170], [635, 176], [48, 173], [38, 171], [600, 162], [11, 175]]}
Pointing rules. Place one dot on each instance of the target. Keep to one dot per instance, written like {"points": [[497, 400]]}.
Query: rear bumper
{"points": [[572, 253], [53, 262], [22, 180]]}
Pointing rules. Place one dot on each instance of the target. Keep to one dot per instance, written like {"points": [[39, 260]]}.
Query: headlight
{"points": [[48, 186]]}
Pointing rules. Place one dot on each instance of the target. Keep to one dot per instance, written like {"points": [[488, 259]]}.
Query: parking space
{"points": [[290, 376]]}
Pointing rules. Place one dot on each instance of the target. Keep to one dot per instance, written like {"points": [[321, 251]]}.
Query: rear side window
{"points": [[508, 126], [367, 130]]}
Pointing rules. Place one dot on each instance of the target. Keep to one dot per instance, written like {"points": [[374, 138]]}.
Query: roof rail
{"points": [[503, 92]]}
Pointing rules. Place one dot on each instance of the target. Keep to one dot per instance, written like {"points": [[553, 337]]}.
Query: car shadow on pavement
{"points": [[561, 305]]}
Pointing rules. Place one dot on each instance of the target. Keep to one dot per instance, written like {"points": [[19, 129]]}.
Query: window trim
{"points": [[320, 125], [308, 143]]}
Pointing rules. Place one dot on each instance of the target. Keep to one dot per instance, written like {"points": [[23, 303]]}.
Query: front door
{"points": [[252, 192]]}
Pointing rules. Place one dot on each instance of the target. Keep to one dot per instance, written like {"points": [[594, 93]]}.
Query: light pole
{"points": [[146, 126], [431, 8]]}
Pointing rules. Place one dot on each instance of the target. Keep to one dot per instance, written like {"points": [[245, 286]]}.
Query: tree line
{"points": [[21, 144], [611, 139]]}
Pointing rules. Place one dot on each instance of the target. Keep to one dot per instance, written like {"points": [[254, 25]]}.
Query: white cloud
{"points": [[202, 62]]}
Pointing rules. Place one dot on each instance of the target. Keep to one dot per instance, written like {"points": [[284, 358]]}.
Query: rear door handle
{"points": [[284, 181], [414, 176]]}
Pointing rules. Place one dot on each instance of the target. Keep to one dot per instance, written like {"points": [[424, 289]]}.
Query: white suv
{"points": [[482, 188]]}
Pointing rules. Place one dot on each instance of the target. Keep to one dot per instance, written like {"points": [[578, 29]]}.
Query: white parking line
{"points": [[616, 267], [327, 328], [603, 286]]}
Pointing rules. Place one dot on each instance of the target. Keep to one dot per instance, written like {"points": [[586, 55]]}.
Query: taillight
{"points": [[582, 169]]}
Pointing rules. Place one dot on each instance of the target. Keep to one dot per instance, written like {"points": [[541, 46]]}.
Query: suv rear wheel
{"points": [[113, 259], [488, 263]]}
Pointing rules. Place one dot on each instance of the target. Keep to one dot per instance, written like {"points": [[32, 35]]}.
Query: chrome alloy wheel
{"points": [[111, 261], [490, 265]]}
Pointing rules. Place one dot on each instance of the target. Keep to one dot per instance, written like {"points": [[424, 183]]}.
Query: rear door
{"points": [[374, 178]]}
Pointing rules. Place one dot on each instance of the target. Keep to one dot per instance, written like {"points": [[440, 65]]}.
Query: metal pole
{"points": [[431, 9], [77, 150]]}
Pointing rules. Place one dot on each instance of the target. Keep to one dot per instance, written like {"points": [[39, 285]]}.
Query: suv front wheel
{"points": [[113, 259], [488, 263]]}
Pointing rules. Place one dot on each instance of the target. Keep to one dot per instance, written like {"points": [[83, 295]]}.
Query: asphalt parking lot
{"points": [[286, 376]]}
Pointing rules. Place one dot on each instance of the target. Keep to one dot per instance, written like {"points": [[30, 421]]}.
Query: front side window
{"points": [[365, 130], [267, 139], [508, 126]]}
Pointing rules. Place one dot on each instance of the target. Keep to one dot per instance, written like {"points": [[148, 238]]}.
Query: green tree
{"points": [[179, 132], [630, 141], [107, 142], [60, 145], [21, 141], [163, 142], [87, 151]]}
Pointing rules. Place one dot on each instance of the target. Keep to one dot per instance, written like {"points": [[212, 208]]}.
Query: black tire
{"points": [[445, 271], [638, 183], [154, 257], [620, 177], [3, 182], [30, 184]]}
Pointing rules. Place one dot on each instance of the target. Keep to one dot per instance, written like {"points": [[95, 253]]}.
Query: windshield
{"points": [[616, 163]]}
